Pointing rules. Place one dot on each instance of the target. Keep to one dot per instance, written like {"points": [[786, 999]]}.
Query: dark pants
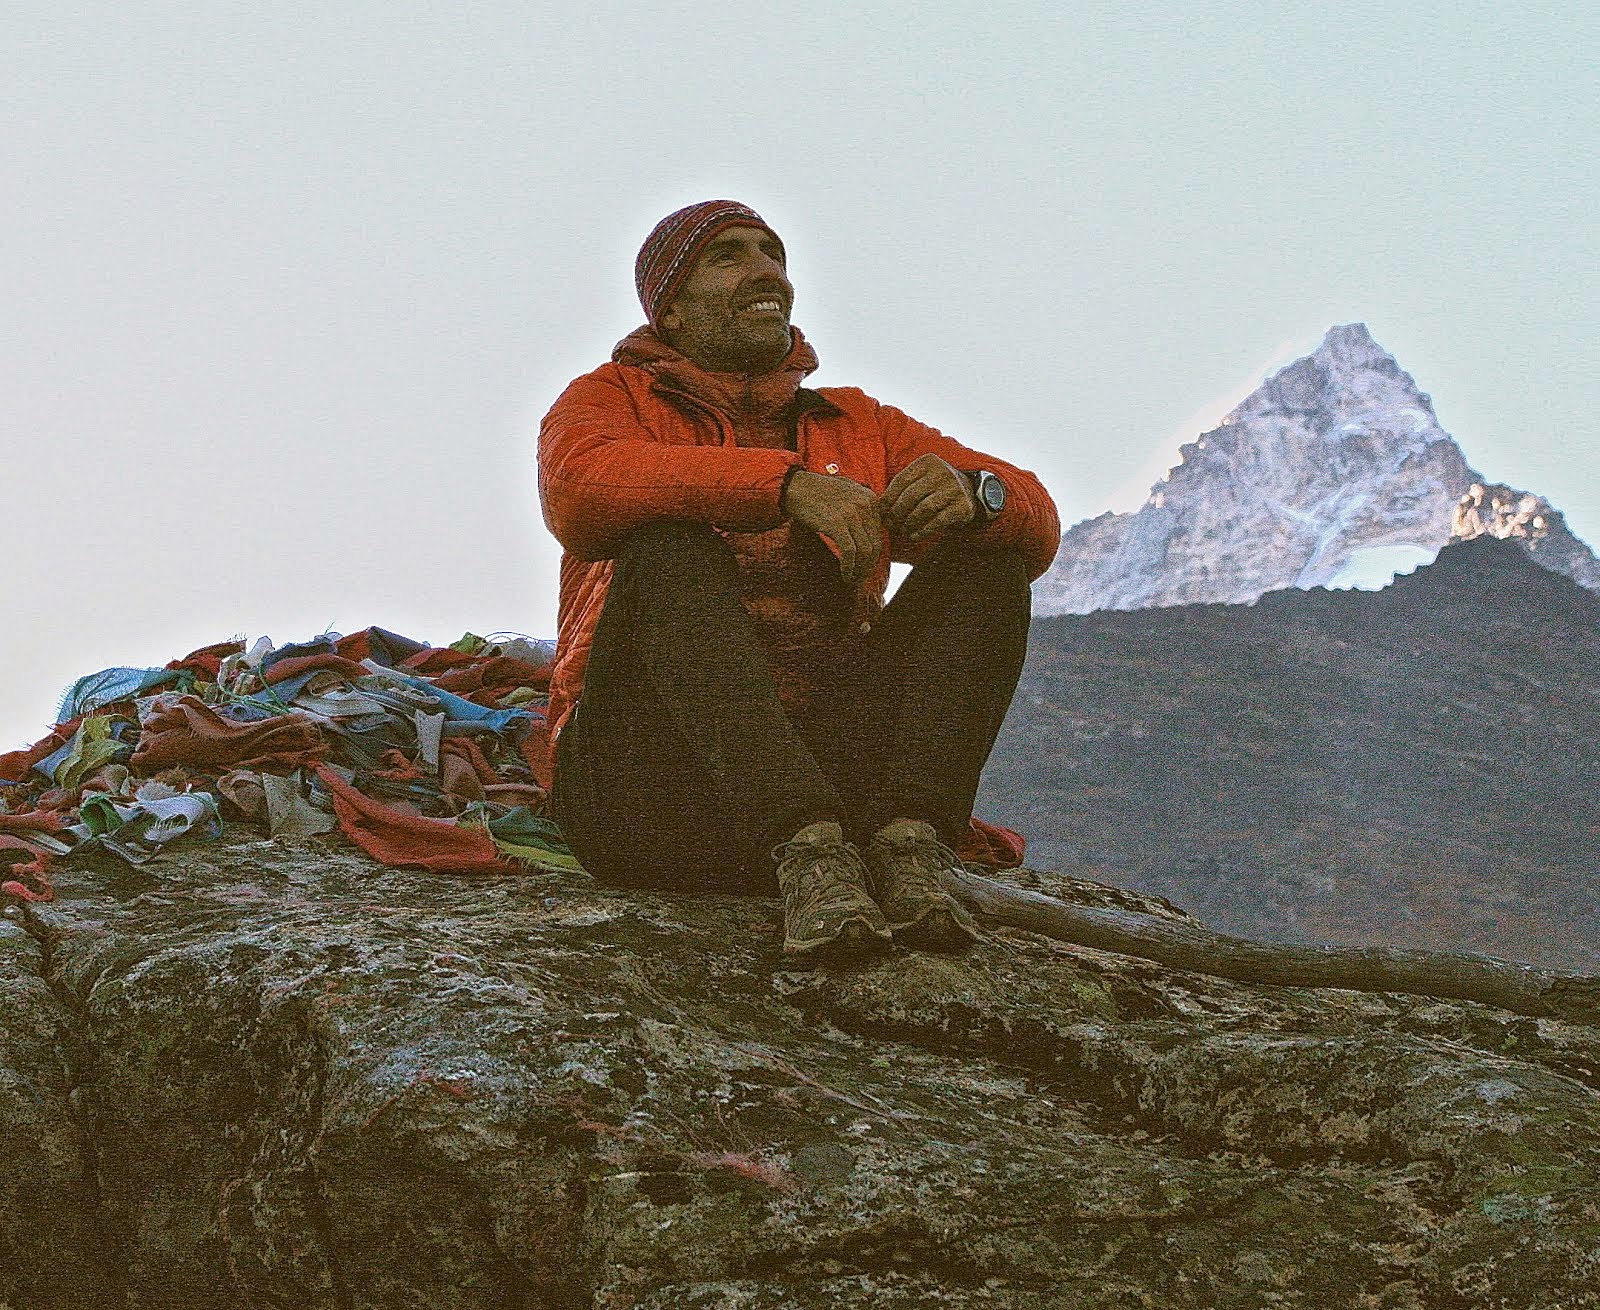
{"points": [[680, 768]]}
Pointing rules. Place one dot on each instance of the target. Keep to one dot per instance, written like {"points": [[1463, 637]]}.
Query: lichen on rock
{"points": [[278, 1075]]}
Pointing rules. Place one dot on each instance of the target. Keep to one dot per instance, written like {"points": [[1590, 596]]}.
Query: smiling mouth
{"points": [[768, 306]]}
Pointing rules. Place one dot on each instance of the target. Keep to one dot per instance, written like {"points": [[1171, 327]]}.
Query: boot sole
{"points": [[937, 928], [855, 938]]}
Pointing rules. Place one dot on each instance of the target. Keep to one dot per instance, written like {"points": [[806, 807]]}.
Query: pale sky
{"points": [[286, 289]]}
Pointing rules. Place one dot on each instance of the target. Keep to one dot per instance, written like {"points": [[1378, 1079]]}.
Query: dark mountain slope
{"points": [[1414, 766]]}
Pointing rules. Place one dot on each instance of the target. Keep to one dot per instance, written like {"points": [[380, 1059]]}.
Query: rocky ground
{"points": [[1410, 767], [270, 1075]]}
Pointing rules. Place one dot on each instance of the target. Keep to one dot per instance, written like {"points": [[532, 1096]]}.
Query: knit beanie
{"points": [[669, 252]]}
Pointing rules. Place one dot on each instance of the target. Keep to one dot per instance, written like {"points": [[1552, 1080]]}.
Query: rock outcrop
{"points": [[284, 1076], [1335, 472], [1496, 510]]}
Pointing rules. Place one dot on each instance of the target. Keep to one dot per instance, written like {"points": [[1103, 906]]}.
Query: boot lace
{"points": [[917, 863], [819, 874]]}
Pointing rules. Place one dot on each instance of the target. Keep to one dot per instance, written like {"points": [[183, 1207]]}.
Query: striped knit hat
{"points": [[670, 250]]}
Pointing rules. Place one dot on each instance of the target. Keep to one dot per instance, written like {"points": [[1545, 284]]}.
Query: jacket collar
{"points": [[807, 401], [773, 394]]}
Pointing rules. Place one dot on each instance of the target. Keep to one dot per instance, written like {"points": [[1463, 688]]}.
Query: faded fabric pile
{"points": [[430, 757]]}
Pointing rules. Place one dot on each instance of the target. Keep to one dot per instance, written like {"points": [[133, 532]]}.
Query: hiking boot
{"points": [[905, 861], [827, 913]]}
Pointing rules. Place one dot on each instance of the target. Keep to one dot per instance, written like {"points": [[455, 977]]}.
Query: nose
{"points": [[768, 266]]}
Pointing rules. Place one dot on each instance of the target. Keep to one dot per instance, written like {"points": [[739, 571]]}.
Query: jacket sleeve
{"points": [[602, 473], [1028, 522]]}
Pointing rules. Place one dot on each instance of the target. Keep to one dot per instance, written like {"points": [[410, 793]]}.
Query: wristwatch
{"points": [[990, 493]]}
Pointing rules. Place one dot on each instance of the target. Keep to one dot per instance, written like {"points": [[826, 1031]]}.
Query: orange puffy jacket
{"points": [[621, 448]]}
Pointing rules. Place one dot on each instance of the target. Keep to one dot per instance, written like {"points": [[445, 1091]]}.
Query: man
{"points": [[732, 705]]}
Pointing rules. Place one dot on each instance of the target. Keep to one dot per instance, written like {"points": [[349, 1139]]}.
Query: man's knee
{"points": [[1006, 567], [1001, 573]]}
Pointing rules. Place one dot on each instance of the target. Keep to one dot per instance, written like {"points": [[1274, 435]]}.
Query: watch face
{"points": [[993, 493]]}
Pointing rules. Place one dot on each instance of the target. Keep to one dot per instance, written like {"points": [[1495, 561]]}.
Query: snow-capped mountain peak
{"points": [[1332, 469]]}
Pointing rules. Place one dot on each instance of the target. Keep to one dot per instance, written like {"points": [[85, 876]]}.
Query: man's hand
{"points": [[844, 512], [927, 496]]}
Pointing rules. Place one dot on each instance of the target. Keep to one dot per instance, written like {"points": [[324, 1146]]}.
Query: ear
{"points": [[670, 321]]}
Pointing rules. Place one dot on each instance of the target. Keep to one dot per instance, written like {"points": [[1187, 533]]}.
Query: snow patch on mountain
{"points": [[1372, 568]]}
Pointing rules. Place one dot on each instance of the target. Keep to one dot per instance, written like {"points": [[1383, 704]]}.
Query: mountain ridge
{"points": [[1408, 767]]}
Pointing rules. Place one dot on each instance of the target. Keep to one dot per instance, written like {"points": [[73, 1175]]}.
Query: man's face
{"points": [[731, 315]]}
